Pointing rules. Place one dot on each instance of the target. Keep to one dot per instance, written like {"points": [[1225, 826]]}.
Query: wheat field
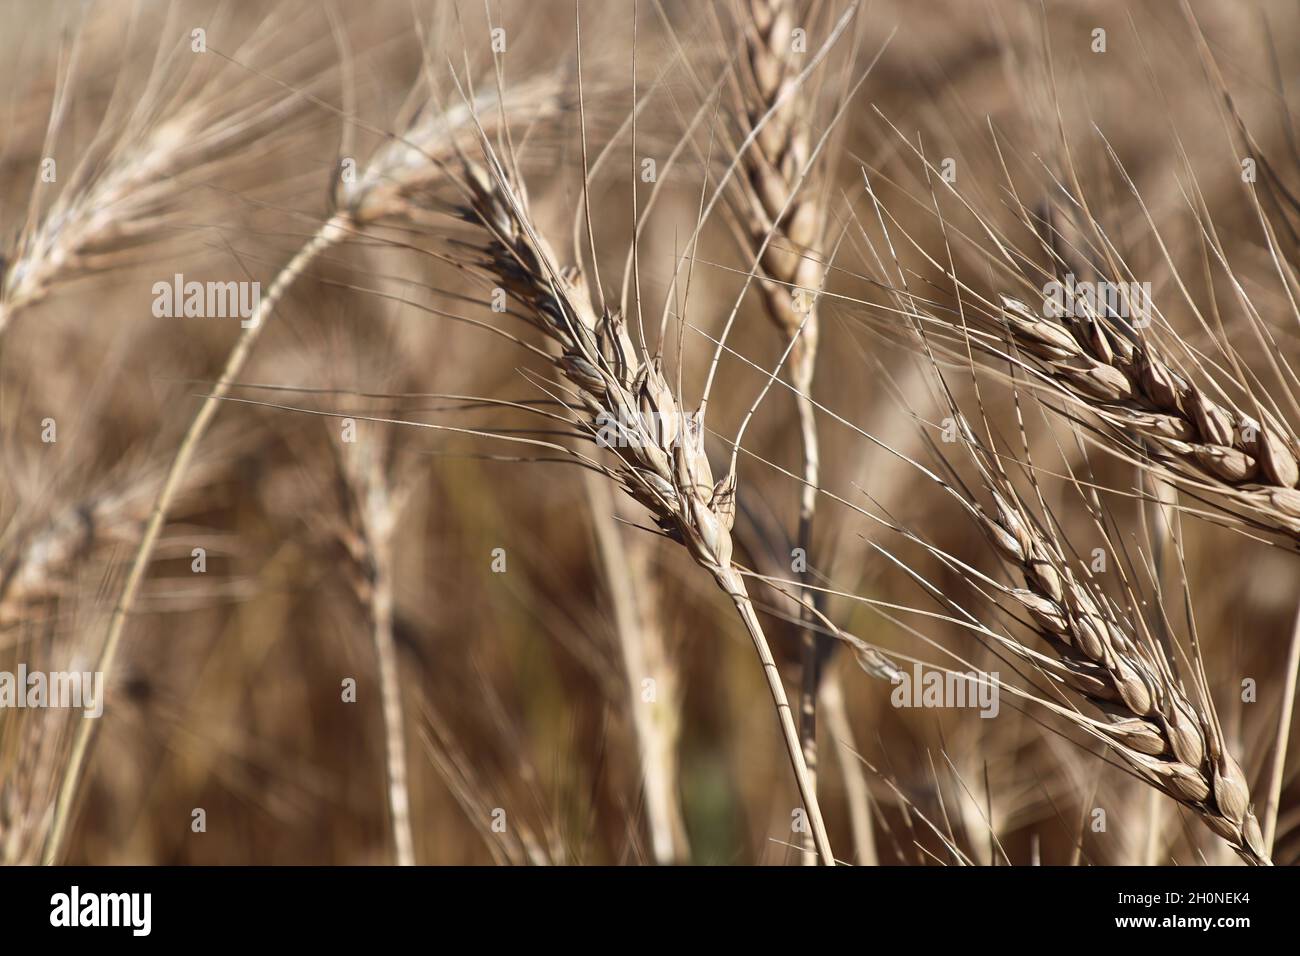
{"points": [[650, 432]]}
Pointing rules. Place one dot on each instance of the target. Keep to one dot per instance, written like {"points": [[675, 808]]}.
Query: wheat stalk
{"points": [[661, 461], [372, 504], [786, 224], [1277, 767], [656, 722], [330, 233]]}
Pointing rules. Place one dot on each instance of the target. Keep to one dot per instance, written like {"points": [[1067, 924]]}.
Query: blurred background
{"points": [[520, 701]]}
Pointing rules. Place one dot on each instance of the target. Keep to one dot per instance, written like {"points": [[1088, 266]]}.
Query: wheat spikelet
{"points": [[40, 554], [1206, 443], [37, 561], [790, 219], [1106, 654]]}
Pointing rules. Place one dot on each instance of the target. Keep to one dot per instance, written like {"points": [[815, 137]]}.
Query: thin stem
{"points": [[809, 652], [329, 234], [390, 692], [1283, 738], [644, 655], [730, 581], [856, 790], [1155, 825]]}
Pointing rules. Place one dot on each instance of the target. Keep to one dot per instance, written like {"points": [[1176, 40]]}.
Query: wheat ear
{"points": [[787, 223], [37, 560], [1110, 658], [661, 461], [386, 191], [129, 195], [1202, 441]]}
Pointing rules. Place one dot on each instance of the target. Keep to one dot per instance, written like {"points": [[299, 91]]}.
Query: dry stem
{"points": [[641, 643], [330, 233], [1276, 773], [786, 224], [373, 512]]}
